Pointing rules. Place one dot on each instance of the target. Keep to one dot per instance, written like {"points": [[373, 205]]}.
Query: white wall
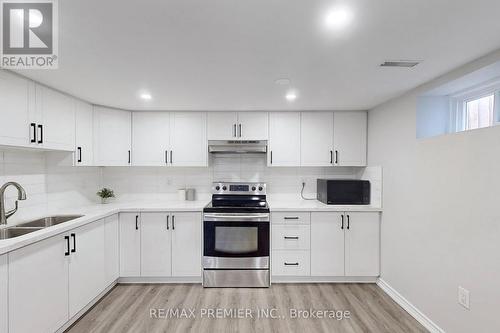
{"points": [[441, 219], [49, 180]]}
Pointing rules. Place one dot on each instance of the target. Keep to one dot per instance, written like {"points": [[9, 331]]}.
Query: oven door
{"points": [[236, 240]]}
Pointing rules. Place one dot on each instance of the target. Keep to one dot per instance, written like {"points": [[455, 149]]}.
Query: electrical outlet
{"points": [[463, 297]]}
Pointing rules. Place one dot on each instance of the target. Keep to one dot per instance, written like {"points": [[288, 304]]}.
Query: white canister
{"points": [[190, 194], [181, 194]]}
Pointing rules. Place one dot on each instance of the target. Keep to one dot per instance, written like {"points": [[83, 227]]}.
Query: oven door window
{"points": [[236, 239]]}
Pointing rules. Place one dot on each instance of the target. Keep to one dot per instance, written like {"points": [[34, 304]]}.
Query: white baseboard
{"points": [[323, 279], [410, 308], [194, 279]]}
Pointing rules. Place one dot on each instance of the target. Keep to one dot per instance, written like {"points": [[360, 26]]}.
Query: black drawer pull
{"points": [[40, 139], [292, 237], [291, 263], [291, 218], [137, 222], [33, 127], [67, 245], [73, 250]]}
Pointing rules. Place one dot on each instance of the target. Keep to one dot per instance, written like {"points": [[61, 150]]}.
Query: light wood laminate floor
{"points": [[126, 308]]}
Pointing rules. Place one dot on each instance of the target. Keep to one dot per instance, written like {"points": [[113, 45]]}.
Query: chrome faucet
{"points": [[21, 195]]}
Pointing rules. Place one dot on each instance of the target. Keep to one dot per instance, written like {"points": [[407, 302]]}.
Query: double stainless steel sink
{"points": [[35, 225]]}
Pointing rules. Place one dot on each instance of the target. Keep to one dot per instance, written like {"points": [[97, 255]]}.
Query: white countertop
{"points": [[96, 212], [282, 205]]}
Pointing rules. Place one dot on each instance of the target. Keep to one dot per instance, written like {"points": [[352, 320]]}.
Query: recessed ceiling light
{"points": [[146, 96], [291, 96], [338, 17], [282, 82]]}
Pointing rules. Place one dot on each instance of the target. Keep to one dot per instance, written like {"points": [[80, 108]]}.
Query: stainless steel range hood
{"points": [[237, 146]]}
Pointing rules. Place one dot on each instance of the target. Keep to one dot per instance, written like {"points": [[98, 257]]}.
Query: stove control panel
{"points": [[239, 188]]}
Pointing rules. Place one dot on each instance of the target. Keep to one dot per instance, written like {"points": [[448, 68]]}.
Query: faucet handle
{"points": [[13, 211]]}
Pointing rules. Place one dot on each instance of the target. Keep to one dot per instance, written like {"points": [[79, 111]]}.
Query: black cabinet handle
{"points": [[73, 250], [336, 157], [166, 156], [331, 157], [348, 221], [168, 227], [79, 154], [33, 127], [129, 157], [291, 237], [291, 263], [291, 218], [240, 129], [173, 222], [271, 157], [67, 245], [40, 139], [137, 222], [234, 130], [342, 226], [171, 160]]}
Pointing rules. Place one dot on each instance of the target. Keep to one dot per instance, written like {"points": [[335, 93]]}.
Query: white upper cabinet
{"points": [[57, 128], [84, 150], [15, 129], [284, 139], [112, 137], [150, 138], [316, 137], [253, 125], [362, 244], [349, 138], [188, 139], [237, 125], [222, 125]]}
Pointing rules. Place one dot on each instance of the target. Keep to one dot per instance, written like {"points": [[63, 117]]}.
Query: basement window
{"points": [[478, 110]]}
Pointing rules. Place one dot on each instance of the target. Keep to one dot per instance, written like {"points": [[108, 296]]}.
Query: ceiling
{"points": [[226, 54]]}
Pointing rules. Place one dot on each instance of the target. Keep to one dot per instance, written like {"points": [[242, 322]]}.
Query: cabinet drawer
{"points": [[291, 237], [294, 263], [291, 217]]}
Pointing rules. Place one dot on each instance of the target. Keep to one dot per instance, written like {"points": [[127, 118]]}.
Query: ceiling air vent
{"points": [[401, 63]]}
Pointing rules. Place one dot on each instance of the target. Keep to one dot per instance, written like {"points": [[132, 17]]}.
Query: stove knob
{"points": [[224, 188], [217, 187], [253, 188], [260, 188]]}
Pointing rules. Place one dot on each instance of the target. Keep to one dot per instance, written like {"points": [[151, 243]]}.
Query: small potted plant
{"points": [[105, 194]]}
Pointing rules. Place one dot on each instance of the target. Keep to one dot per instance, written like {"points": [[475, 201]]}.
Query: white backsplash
{"points": [[51, 182]]}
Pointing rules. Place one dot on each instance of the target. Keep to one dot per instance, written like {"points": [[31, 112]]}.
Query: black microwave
{"points": [[343, 191]]}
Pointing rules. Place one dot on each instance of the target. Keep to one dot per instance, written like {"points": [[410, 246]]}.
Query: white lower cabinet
{"points": [[186, 244], [87, 265], [291, 263], [160, 244], [112, 249], [327, 244], [4, 291], [156, 242], [130, 245], [362, 244], [38, 286], [345, 244]]}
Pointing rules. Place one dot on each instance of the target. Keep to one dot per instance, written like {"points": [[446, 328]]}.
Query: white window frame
{"points": [[459, 105]]}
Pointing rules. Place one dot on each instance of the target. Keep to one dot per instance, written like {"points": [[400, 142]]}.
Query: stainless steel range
{"points": [[236, 236]]}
